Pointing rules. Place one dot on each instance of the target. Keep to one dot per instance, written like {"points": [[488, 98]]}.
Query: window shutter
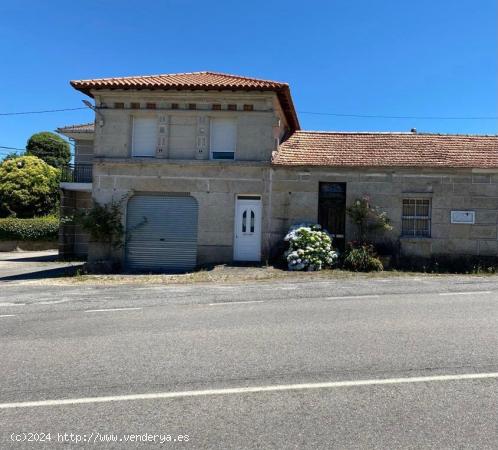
{"points": [[223, 135], [144, 136]]}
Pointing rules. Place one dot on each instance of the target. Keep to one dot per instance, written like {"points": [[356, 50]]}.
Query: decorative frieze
{"points": [[202, 137], [163, 137]]}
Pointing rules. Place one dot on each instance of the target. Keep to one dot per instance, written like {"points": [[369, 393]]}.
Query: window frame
{"points": [[416, 217], [227, 152]]}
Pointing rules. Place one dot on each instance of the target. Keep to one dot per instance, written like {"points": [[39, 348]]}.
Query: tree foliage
{"points": [[50, 147], [29, 187]]}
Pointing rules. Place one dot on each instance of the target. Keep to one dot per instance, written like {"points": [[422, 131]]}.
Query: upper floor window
{"points": [[416, 217], [223, 138], [144, 136]]}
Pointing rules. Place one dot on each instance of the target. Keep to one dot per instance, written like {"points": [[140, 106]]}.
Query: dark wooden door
{"points": [[332, 211]]}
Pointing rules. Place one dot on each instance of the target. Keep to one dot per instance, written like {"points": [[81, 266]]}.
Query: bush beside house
{"points": [[310, 248]]}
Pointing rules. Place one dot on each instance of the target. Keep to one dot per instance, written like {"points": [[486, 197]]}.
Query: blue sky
{"points": [[386, 57]]}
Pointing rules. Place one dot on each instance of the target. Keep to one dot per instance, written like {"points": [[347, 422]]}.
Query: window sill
{"points": [[415, 238]]}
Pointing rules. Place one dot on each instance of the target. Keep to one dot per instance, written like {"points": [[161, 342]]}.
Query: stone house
{"points": [[214, 168]]}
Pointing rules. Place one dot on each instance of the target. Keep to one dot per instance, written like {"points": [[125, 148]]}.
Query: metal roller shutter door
{"points": [[161, 233]]}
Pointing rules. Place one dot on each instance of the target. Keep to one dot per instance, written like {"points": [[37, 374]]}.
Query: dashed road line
{"points": [[236, 303], [7, 315], [347, 297], [111, 309], [465, 293]]}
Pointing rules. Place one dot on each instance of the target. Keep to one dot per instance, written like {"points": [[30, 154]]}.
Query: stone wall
{"points": [[295, 199], [73, 241], [183, 133], [213, 184]]}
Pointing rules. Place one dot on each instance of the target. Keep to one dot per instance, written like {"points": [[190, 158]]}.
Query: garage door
{"points": [[161, 233]]}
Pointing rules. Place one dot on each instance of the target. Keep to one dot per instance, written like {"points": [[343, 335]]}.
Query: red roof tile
{"points": [[195, 81], [344, 149], [80, 128]]}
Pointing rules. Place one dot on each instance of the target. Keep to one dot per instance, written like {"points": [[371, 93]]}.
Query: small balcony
{"points": [[77, 173]]}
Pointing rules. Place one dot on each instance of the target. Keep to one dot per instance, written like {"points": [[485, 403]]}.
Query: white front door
{"points": [[247, 242]]}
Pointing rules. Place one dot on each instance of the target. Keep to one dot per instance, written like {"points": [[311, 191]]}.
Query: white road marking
{"points": [[250, 390], [7, 315], [111, 309], [12, 304], [466, 293], [236, 303], [350, 296], [54, 302]]}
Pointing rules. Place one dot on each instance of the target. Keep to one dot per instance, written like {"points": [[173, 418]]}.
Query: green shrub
{"points": [[310, 248], [361, 258], [29, 187], [50, 147], [103, 223], [35, 229]]}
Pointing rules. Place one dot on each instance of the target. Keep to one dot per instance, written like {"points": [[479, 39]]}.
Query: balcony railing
{"points": [[77, 173]]}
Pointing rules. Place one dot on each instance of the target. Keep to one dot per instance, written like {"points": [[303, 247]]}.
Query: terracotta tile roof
{"points": [[79, 128], [344, 149], [195, 81]]}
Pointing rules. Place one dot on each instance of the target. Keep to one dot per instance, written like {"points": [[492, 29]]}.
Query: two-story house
{"points": [[213, 168]]}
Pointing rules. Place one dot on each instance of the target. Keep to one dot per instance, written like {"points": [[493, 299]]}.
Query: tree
{"points": [[50, 147], [28, 187]]}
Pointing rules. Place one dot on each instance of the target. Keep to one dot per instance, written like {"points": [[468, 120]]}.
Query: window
{"points": [[248, 107], [223, 138], [150, 106], [244, 220], [119, 105], [192, 106], [174, 105], [216, 107], [232, 107], [144, 137], [416, 217], [134, 105]]}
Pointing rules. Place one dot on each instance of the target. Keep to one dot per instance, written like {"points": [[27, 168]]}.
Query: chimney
{"points": [[414, 130]]}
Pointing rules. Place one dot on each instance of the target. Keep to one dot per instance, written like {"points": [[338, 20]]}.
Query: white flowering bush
{"points": [[310, 248]]}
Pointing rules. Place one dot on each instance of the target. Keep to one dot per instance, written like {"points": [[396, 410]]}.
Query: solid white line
{"points": [[111, 309], [7, 315], [236, 303], [466, 293], [350, 296], [249, 390], [12, 304]]}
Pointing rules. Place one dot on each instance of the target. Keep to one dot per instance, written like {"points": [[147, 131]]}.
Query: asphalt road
{"points": [[79, 342]]}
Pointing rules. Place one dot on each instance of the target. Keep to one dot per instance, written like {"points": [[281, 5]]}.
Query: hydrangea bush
{"points": [[310, 248]]}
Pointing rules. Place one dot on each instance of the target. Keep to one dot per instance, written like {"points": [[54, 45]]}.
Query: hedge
{"points": [[36, 229]]}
